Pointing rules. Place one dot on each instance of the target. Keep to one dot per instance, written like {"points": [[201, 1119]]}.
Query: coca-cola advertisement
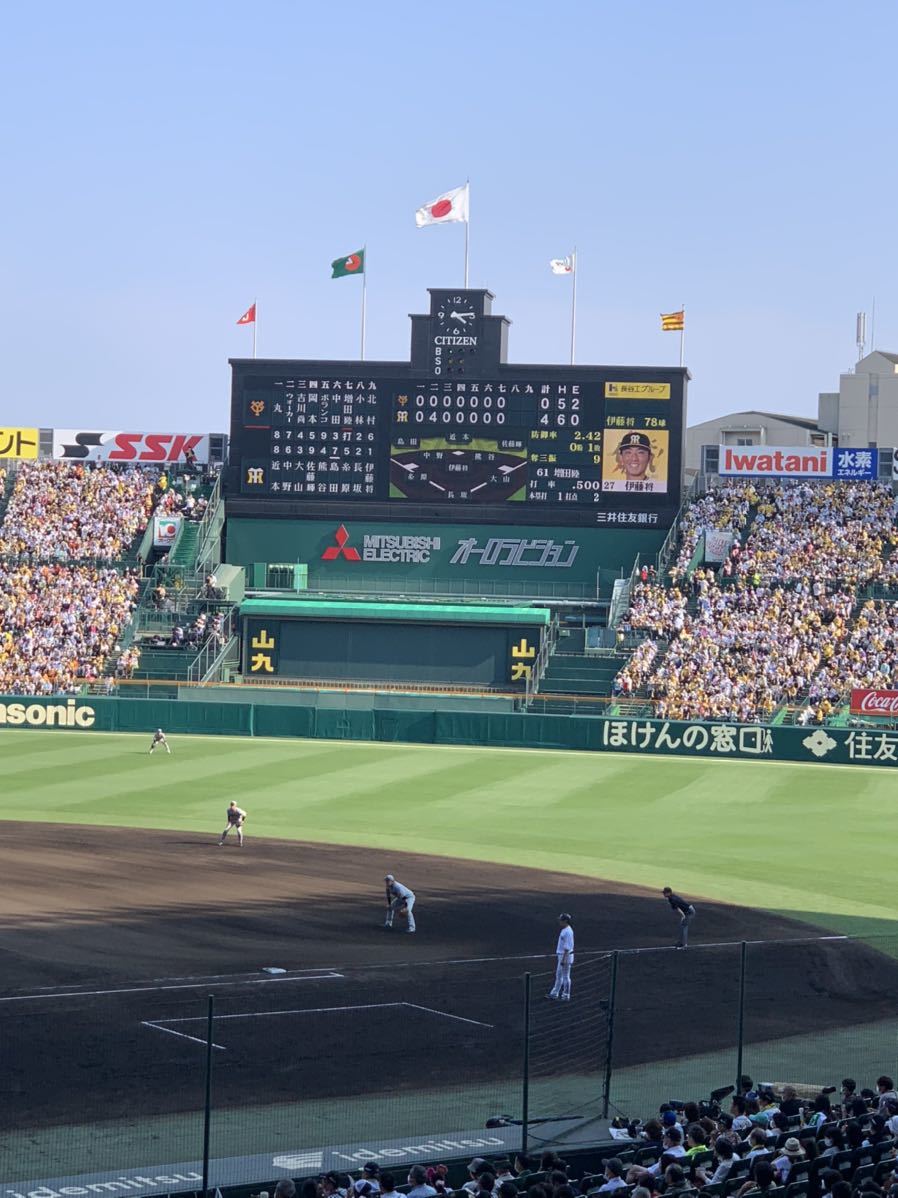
{"points": [[873, 703]]}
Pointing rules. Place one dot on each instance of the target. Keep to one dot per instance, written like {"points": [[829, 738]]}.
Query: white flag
{"points": [[450, 206], [562, 266]]}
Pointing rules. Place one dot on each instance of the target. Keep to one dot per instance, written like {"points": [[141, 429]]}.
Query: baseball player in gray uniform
{"points": [[236, 818], [159, 741], [398, 896]]}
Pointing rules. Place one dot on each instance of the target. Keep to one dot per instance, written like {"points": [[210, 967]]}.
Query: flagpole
{"points": [[574, 305], [683, 337], [364, 294], [255, 325], [467, 228]]}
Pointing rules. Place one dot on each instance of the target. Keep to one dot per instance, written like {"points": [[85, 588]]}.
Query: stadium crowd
{"points": [[65, 512], [60, 619], [59, 624], [767, 1143], [774, 624]]}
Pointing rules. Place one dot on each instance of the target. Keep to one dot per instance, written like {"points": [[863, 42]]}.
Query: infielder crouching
{"points": [[564, 956], [398, 896], [236, 818]]}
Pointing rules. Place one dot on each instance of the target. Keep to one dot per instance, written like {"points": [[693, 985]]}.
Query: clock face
{"points": [[456, 316]]}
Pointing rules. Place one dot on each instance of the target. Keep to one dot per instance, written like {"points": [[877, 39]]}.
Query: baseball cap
{"points": [[669, 1118], [371, 1167], [635, 441], [389, 878], [564, 915]]}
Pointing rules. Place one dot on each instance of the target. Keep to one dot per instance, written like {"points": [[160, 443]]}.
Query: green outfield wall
{"points": [[391, 556], [833, 746]]}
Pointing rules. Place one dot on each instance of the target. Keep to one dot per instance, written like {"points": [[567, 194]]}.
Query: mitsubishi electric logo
{"points": [[382, 548], [340, 549]]}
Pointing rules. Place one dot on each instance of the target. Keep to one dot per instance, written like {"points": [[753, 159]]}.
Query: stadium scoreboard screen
{"points": [[458, 433]]}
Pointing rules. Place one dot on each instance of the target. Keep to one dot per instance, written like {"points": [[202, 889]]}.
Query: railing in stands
{"points": [[207, 665], [549, 640], [208, 546]]}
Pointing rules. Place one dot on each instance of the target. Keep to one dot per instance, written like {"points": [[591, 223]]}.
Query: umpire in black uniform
{"points": [[686, 912]]}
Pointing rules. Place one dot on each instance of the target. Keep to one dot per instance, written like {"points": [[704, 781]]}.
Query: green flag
{"points": [[352, 264]]}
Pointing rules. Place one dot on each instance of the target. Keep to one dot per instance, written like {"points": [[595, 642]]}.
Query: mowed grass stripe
{"points": [[793, 838]]}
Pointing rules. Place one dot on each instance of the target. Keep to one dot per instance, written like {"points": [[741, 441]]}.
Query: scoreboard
{"points": [[457, 433]]}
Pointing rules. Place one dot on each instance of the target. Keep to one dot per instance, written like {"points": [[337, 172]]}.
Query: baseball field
{"points": [[121, 915]]}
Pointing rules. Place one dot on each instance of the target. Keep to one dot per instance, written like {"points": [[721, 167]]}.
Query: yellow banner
{"points": [[19, 443], [637, 390]]}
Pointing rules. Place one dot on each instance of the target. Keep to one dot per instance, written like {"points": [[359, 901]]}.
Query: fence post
{"points": [[525, 1098], [207, 1114], [609, 1039], [741, 1028]]}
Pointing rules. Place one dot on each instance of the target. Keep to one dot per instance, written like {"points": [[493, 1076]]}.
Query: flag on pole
{"points": [[673, 322], [249, 316], [352, 264], [562, 266], [450, 206]]}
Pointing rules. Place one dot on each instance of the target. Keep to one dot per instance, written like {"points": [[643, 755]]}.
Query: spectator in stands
{"points": [[763, 1179], [285, 1189], [886, 1090], [388, 1186], [789, 1154], [675, 1180], [614, 1176], [417, 1179], [725, 1157], [757, 1143], [821, 1112]]}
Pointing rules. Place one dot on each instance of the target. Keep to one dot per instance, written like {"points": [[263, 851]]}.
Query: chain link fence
{"points": [[143, 1077]]}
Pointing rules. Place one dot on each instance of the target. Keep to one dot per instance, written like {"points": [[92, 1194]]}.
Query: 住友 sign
{"points": [[778, 461], [163, 448], [874, 703]]}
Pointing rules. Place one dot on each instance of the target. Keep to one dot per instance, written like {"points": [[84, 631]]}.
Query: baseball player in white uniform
{"points": [[398, 896], [159, 741], [564, 956], [236, 818]]}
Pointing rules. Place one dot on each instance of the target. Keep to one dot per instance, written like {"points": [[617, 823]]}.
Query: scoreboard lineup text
{"points": [[467, 436]]}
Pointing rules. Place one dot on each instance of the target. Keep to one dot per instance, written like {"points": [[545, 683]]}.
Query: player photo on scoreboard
{"points": [[635, 461]]}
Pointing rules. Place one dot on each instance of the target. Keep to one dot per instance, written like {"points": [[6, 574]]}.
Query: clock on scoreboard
{"points": [[457, 432]]}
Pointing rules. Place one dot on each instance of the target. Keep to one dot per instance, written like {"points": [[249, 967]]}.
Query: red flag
{"points": [[249, 316]]}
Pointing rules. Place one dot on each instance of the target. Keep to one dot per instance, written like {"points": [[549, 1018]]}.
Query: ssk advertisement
{"points": [[77, 445]]}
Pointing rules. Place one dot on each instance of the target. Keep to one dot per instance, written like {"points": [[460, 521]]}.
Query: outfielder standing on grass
{"points": [[686, 912], [564, 956], [399, 896], [159, 741], [236, 818]]}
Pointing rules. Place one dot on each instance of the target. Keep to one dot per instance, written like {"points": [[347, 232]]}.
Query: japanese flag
{"points": [[450, 206]]}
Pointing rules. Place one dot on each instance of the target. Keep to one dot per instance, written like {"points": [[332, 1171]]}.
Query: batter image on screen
{"points": [[435, 469], [635, 461]]}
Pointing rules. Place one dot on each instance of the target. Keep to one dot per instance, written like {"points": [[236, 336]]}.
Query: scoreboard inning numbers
{"points": [[460, 434]]}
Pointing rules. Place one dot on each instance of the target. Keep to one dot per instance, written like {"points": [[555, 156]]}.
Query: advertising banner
{"points": [[76, 445], [19, 443], [801, 461], [165, 531], [875, 703]]}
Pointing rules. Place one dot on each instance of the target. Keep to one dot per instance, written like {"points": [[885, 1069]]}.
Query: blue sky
{"points": [[163, 165]]}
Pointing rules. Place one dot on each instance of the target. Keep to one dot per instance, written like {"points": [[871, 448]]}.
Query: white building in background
{"points": [[862, 413]]}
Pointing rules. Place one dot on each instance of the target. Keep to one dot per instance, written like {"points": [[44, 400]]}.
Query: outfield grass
{"points": [[813, 841]]}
